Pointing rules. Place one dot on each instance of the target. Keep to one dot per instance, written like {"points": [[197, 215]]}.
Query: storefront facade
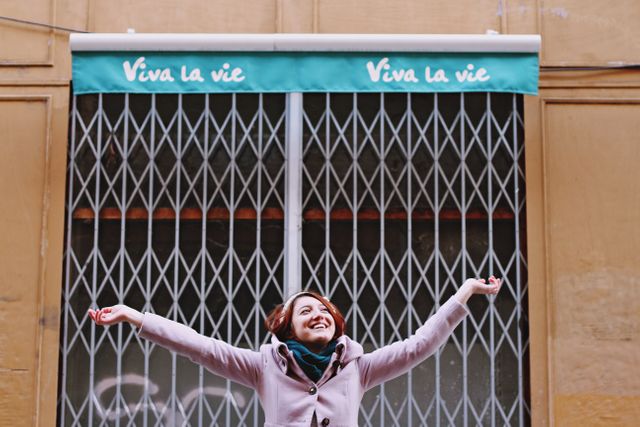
{"points": [[394, 201], [377, 170]]}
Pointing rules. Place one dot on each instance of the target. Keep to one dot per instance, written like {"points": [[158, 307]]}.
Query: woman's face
{"points": [[311, 323]]}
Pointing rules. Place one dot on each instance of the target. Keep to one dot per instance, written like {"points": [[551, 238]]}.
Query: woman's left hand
{"points": [[113, 315], [478, 286]]}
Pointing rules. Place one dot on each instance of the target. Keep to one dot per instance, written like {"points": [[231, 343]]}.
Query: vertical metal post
{"points": [[293, 195], [259, 210], [354, 220], [381, 250], [203, 248], [149, 251], [67, 257], [516, 204], [410, 208], [326, 203], [96, 254], [122, 251], [436, 238], [177, 205], [492, 313], [235, 117], [463, 250]]}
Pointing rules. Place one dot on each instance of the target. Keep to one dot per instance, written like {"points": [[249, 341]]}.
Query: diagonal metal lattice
{"points": [[177, 205], [405, 196], [168, 211]]}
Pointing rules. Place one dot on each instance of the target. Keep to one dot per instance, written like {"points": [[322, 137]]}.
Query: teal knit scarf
{"points": [[313, 364]]}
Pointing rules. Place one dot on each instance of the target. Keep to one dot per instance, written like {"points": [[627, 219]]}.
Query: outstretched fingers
{"points": [[481, 286], [94, 315], [98, 316], [494, 285]]}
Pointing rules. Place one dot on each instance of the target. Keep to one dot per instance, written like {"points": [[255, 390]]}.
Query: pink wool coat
{"points": [[287, 395]]}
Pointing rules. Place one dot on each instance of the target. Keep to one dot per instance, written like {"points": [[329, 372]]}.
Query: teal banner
{"points": [[215, 72]]}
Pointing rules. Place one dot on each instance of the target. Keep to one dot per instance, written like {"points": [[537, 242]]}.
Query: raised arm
{"points": [[237, 364], [396, 359]]}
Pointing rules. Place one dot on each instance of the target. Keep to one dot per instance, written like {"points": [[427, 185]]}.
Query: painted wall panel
{"points": [[409, 16], [578, 32], [188, 16], [592, 150], [23, 44], [33, 137], [296, 16], [23, 126]]}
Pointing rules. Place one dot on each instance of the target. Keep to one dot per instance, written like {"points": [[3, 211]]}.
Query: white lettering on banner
{"points": [[376, 72], [158, 74], [383, 71], [138, 71], [469, 76], [438, 76], [224, 75], [192, 76]]}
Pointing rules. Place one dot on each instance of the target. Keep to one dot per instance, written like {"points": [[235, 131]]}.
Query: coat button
{"points": [[313, 390], [325, 422]]}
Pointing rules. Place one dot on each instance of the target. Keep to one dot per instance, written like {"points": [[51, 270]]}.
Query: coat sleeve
{"points": [[237, 364], [398, 358]]}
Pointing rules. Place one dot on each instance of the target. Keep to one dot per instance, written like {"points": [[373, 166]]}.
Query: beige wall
{"points": [[583, 243], [593, 199], [32, 160], [583, 195]]}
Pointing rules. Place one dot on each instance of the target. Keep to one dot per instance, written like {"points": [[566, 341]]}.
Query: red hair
{"points": [[278, 322]]}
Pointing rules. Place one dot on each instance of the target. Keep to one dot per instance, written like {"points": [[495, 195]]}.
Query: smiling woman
{"points": [[307, 317], [312, 373], [312, 323]]}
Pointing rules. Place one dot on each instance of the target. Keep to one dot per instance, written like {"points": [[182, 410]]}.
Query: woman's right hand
{"points": [[116, 314], [478, 286]]}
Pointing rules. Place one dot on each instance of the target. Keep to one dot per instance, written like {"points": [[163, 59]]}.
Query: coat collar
{"points": [[347, 350]]}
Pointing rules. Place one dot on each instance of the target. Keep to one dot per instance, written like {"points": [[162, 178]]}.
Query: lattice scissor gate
{"points": [[405, 195], [197, 207]]}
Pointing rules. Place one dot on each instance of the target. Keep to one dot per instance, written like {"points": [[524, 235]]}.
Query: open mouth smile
{"points": [[318, 327]]}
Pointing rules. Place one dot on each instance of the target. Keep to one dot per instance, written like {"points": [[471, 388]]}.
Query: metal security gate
{"points": [[208, 209], [405, 196]]}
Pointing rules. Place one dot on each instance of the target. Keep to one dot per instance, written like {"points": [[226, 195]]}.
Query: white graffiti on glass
{"points": [[236, 398]]}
